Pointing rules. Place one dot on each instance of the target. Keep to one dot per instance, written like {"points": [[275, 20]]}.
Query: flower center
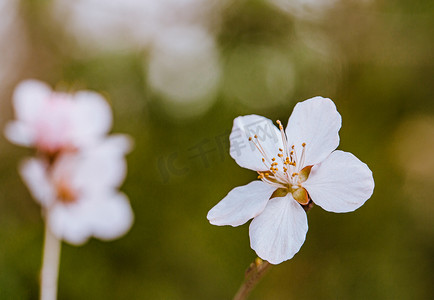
{"points": [[286, 170], [65, 193]]}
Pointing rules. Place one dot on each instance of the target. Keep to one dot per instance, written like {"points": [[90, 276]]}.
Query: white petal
{"points": [[241, 204], [244, 151], [112, 217], [279, 231], [92, 118], [29, 97], [341, 183], [20, 133], [34, 174], [315, 122], [70, 222], [107, 217], [104, 164]]}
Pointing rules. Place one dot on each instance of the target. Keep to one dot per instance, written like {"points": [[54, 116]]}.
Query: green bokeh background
{"points": [[379, 70]]}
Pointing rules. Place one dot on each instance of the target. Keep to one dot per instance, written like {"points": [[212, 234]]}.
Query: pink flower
{"points": [[52, 121], [78, 192], [78, 169], [295, 167]]}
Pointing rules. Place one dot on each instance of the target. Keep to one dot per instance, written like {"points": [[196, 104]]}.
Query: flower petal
{"points": [[92, 118], [20, 133], [279, 231], [34, 173], [29, 97], [107, 216], [241, 204], [244, 151], [315, 122], [69, 222], [341, 183], [104, 164], [112, 217]]}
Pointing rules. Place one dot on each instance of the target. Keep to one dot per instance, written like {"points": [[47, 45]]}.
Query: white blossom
{"points": [[295, 167]]}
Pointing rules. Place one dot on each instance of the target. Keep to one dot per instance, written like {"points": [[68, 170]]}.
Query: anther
{"points": [[304, 144]]}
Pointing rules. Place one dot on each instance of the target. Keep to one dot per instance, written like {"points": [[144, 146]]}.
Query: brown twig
{"points": [[253, 275]]}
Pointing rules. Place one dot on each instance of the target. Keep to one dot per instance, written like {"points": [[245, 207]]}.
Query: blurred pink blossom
{"points": [[78, 169], [52, 121], [79, 191]]}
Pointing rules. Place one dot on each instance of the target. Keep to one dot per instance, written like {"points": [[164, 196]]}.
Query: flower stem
{"points": [[50, 265], [253, 275]]}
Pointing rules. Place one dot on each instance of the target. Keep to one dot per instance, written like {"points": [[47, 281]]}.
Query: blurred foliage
{"points": [[374, 59]]}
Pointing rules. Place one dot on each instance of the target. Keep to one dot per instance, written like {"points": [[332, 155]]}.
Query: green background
{"points": [[374, 60]]}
